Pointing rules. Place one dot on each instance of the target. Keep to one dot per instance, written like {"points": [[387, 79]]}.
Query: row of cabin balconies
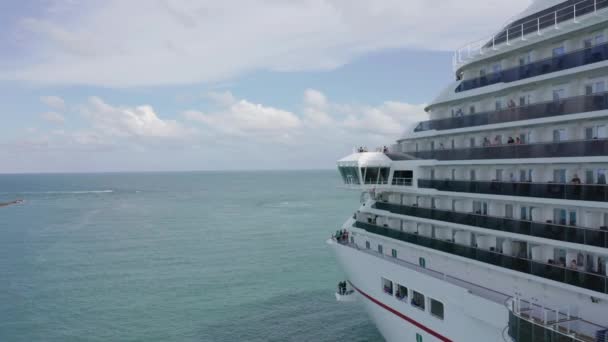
{"points": [[571, 266], [548, 230], [553, 96], [577, 192], [544, 58], [523, 109], [565, 215], [594, 173], [579, 138], [569, 182], [590, 129]]}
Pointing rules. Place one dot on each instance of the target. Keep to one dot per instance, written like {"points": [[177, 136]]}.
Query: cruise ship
{"points": [[489, 221]]}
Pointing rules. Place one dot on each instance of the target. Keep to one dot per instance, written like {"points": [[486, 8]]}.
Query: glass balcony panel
{"points": [[548, 230], [574, 277], [565, 106], [581, 192], [570, 60]]}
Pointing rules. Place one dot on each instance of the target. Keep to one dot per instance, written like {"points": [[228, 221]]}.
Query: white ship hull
{"points": [[467, 317]]}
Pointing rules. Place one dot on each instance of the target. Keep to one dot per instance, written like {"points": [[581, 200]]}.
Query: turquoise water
{"points": [[207, 256]]}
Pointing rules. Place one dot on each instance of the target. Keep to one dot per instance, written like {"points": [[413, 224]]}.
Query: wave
{"points": [[62, 192]]}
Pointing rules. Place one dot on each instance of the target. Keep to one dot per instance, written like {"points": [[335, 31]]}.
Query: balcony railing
{"points": [[570, 60], [548, 230], [571, 148], [535, 24], [590, 281], [530, 322], [578, 192], [402, 181], [570, 105]]}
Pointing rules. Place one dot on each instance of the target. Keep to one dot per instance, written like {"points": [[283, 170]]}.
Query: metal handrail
{"points": [[508, 145], [520, 110], [359, 224], [496, 217], [529, 308], [551, 19]]}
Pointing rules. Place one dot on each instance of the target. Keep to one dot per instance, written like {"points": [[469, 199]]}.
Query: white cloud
{"points": [[221, 98], [53, 117], [141, 42], [244, 118], [54, 102], [140, 121], [140, 138], [318, 116]]}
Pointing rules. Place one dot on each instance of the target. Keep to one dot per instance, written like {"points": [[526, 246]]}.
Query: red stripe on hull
{"points": [[402, 316]]}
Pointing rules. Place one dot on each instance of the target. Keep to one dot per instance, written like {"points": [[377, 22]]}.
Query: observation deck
{"points": [[534, 25]]}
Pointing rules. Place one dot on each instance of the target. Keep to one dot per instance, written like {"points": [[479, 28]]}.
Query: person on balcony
{"points": [[510, 141], [575, 179], [486, 142]]}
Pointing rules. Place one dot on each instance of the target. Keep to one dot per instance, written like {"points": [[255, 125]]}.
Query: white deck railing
{"points": [[520, 31], [561, 322]]}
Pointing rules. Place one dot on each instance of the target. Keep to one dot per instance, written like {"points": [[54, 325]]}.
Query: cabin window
{"points": [[422, 262], [436, 308], [394, 253], [380, 250], [418, 337], [367, 245], [418, 300], [401, 292], [387, 286]]}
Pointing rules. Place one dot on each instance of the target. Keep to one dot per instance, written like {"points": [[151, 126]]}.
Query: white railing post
{"points": [[538, 26], [555, 16], [574, 9], [522, 32], [595, 6], [508, 36], [568, 323], [494, 42]]}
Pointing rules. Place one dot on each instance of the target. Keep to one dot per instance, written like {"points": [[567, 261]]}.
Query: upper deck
{"points": [[542, 20]]}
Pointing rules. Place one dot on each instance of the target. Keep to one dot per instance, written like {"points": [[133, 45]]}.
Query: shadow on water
{"points": [[303, 316]]}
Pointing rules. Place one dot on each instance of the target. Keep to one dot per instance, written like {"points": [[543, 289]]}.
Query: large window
{"points": [[375, 175], [436, 308], [349, 175]]}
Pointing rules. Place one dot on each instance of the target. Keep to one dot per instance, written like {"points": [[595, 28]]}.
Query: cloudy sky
{"points": [[153, 85]]}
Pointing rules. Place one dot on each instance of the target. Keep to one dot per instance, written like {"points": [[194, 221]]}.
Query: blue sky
{"points": [[197, 85]]}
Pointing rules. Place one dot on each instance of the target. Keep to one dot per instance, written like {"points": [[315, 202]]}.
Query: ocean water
{"points": [[201, 256]]}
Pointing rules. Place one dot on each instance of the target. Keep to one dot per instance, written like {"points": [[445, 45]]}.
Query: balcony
{"points": [[590, 281], [574, 234], [571, 148], [530, 322], [578, 192], [570, 60], [570, 105], [402, 181]]}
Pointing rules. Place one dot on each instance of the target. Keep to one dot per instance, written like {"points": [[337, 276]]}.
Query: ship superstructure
{"points": [[489, 222]]}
